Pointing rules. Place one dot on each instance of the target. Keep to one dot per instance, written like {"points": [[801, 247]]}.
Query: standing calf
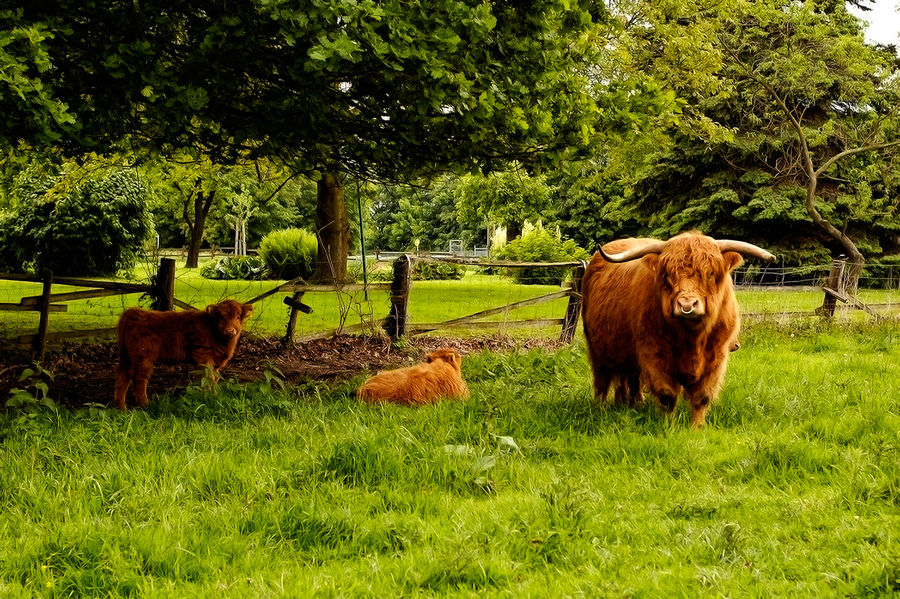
{"points": [[204, 337], [439, 376]]}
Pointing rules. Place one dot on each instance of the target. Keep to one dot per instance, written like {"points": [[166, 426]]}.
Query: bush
{"points": [[882, 273], [9, 260], [249, 268], [95, 228], [437, 271], [539, 245], [375, 271], [289, 253]]}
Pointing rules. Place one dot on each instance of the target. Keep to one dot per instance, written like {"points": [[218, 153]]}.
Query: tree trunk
{"points": [[202, 203], [855, 260], [332, 231]]}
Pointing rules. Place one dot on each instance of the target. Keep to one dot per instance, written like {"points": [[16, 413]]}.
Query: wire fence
{"points": [[463, 299]]}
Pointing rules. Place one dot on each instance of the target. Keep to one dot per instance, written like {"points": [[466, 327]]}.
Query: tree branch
{"points": [[852, 151]]}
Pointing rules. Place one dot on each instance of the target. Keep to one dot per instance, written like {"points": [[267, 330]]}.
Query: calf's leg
{"points": [[142, 372], [123, 382]]}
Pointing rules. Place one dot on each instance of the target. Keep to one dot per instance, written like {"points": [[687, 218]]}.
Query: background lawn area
{"points": [[531, 488]]}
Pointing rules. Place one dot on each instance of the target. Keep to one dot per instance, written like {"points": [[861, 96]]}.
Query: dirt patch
{"points": [[86, 373]]}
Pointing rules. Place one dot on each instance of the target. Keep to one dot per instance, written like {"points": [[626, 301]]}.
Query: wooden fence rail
{"points": [[48, 302]]}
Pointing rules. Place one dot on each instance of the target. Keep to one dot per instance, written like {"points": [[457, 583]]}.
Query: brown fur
{"points": [[635, 335], [439, 376], [204, 337]]}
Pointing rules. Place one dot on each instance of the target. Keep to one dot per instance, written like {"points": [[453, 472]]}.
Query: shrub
{"points": [[250, 268], [882, 273], [9, 260], [95, 228], [375, 271], [289, 253], [539, 245], [437, 271]]}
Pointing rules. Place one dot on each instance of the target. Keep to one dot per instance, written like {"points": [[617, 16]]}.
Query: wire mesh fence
{"points": [[445, 298]]}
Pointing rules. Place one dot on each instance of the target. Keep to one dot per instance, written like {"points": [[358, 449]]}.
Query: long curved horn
{"points": [[742, 247], [649, 247]]}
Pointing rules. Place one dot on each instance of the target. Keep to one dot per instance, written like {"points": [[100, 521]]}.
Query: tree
{"points": [[778, 96], [507, 199], [387, 90], [29, 107], [400, 215]]}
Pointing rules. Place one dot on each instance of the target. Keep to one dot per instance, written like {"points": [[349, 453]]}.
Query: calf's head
{"points": [[229, 317], [448, 355], [691, 272]]}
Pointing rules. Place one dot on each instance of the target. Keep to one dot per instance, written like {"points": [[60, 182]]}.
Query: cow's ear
{"points": [[732, 260], [246, 311], [212, 309], [429, 358]]}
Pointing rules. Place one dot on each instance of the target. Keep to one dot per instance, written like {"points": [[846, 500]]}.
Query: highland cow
{"points": [[202, 337], [438, 377], [662, 315]]}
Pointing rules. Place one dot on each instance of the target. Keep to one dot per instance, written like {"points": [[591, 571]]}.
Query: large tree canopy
{"points": [[388, 90], [379, 89], [784, 106]]}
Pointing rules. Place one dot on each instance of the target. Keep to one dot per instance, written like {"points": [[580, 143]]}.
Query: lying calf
{"points": [[205, 337], [439, 376]]}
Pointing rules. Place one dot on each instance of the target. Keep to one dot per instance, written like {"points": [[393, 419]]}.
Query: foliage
{"points": [[375, 271], [399, 216], [498, 80], [235, 267], [763, 84], [437, 271], [289, 253], [508, 199], [9, 258], [883, 274], [34, 392], [28, 104], [74, 224], [540, 245]]}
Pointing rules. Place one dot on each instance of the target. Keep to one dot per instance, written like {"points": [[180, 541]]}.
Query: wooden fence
{"points": [[163, 292], [397, 322]]}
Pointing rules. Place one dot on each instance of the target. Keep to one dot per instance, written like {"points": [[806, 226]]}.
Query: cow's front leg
{"points": [[655, 373]]}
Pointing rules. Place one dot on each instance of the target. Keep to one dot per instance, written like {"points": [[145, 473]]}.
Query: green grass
{"points": [[528, 489]]}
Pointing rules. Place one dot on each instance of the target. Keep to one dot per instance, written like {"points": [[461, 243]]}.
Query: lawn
{"points": [[530, 488]]}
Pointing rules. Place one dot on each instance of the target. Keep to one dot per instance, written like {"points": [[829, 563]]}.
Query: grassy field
{"points": [[430, 301], [530, 488]]}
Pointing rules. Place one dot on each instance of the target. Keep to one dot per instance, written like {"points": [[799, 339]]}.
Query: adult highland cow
{"points": [[663, 315]]}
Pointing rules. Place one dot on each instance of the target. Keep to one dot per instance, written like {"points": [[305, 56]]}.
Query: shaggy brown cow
{"points": [[663, 315], [205, 337], [439, 376]]}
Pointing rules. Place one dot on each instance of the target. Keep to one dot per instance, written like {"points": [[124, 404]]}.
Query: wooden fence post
{"points": [[44, 307], [396, 322], [296, 306], [573, 310], [164, 293], [835, 283]]}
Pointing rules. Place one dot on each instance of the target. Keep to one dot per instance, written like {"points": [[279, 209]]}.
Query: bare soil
{"points": [[85, 373]]}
